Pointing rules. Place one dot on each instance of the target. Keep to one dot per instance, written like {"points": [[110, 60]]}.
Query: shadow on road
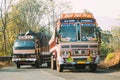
{"points": [[66, 70], [22, 69], [98, 71]]}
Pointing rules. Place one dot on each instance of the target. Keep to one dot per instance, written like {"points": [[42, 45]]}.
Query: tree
{"points": [[38, 14], [105, 36], [4, 8], [115, 39], [54, 11], [29, 13]]}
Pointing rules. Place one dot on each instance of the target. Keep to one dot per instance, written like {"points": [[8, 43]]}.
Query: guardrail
{"points": [[6, 59]]}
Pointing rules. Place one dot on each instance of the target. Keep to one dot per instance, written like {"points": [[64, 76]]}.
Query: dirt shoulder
{"points": [[5, 64]]}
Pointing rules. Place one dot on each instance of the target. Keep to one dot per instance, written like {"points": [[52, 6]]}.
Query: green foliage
{"points": [[105, 49], [37, 14], [110, 40], [115, 39], [105, 35]]}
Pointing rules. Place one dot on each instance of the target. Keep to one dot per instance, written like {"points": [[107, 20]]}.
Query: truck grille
{"points": [[65, 46], [79, 46], [80, 59], [76, 52], [93, 46]]}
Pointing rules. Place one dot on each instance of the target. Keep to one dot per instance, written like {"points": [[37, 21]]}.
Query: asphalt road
{"points": [[44, 73]]}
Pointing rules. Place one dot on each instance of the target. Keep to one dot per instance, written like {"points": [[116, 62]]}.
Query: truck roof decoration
{"points": [[77, 16], [25, 37]]}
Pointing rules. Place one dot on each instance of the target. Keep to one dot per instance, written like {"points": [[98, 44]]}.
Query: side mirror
{"points": [[37, 43], [58, 33], [58, 36], [37, 46]]}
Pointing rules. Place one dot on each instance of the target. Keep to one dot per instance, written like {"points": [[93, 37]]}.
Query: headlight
{"points": [[80, 52], [33, 56], [14, 56], [65, 53], [66, 56], [94, 53]]}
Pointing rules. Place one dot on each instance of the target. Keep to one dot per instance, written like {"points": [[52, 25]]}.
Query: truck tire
{"points": [[93, 67], [37, 64], [60, 68], [18, 66], [49, 64], [33, 65], [53, 64]]}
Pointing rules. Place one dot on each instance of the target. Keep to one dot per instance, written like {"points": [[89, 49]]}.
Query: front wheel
{"points": [[93, 67], [37, 64], [59, 66], [18, 66], [53, 63], [48, 64]]}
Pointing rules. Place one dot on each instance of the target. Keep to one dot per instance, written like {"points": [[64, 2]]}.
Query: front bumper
{"points": [[78, 63], [86, 60], [24, 61], [69, 65]]}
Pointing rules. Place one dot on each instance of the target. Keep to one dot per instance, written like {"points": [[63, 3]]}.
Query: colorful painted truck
{"points": [[75, 42], [31, 49]]}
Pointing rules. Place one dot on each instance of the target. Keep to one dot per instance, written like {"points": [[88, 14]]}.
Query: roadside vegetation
{"points": [[111, 47]]}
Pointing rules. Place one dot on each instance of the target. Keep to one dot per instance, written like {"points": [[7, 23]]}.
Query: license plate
{"points": [[81, 62], [23, 59]]}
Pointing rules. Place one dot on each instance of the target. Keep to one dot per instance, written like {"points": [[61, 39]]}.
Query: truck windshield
{"points": [[88, 33], [77, 32], [68, 32], [24, 45]]}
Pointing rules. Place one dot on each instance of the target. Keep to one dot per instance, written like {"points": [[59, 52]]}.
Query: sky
{"points": [[106, 12], [97, 7]]}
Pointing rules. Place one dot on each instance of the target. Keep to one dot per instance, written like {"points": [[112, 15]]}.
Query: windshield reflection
{"points": [[76, 32], [68, 32], [24, 45]]}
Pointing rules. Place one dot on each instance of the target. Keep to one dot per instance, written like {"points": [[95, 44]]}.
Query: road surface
{"points": [[43, 73]]}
